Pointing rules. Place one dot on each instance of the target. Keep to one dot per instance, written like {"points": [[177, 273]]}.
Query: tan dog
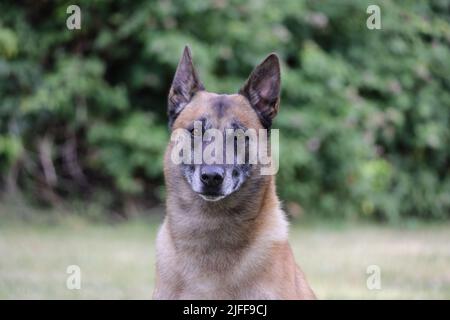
{"points": [[224, 235]]}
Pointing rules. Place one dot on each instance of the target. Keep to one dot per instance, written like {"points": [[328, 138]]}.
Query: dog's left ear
{"points": [[262, 89], [184, 85]]}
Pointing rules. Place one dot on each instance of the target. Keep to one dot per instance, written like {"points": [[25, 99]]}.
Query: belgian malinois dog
{"points": [[224, 235]]}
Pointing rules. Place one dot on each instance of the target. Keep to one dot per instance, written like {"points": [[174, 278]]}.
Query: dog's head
{"points": [[194, 110]]}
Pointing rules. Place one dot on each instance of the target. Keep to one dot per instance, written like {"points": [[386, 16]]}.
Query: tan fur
{"points": [[236, 248]]}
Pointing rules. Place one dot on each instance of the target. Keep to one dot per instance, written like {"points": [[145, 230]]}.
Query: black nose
{"points": [[212, 176]]}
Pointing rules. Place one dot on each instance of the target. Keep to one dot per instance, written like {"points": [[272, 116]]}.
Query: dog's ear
{"points": [[262, 89], [184, 85]]}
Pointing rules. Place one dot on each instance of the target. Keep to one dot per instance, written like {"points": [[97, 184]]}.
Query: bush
{"points": [[364, 117]]}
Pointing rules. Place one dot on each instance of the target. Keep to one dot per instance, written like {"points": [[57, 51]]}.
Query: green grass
{"points": [[117, 260]]}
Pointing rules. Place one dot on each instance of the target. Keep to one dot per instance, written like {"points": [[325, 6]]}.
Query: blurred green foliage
{"points": [[364, 116]]}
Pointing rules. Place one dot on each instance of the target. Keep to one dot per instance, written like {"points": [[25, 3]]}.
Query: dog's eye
{"points": [[196, 132]]}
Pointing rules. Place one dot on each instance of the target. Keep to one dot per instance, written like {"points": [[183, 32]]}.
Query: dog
{"points": [[224, 235]]}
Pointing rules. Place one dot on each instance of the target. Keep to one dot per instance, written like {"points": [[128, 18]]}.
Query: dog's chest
{"points": [[215, 273], [213, 277]]}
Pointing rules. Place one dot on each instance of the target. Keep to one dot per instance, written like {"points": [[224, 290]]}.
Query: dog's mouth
{"points": [[211, 197]]}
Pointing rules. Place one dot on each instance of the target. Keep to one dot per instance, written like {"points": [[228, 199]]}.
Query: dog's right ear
{"points": [[184, 85]]}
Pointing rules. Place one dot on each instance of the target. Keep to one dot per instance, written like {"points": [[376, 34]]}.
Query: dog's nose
{"points": [[212, 176]]}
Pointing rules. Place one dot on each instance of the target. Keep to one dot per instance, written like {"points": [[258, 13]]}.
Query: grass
{"points": [[117, 260]]}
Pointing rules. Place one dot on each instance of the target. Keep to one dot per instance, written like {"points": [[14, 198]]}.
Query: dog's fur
{"points": [[237, 247]]}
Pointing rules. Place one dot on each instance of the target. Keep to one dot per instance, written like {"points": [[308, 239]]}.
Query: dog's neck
{"points": [[228, 224]]}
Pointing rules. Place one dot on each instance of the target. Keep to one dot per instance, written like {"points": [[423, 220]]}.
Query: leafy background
{"points": [[364, 118]]}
